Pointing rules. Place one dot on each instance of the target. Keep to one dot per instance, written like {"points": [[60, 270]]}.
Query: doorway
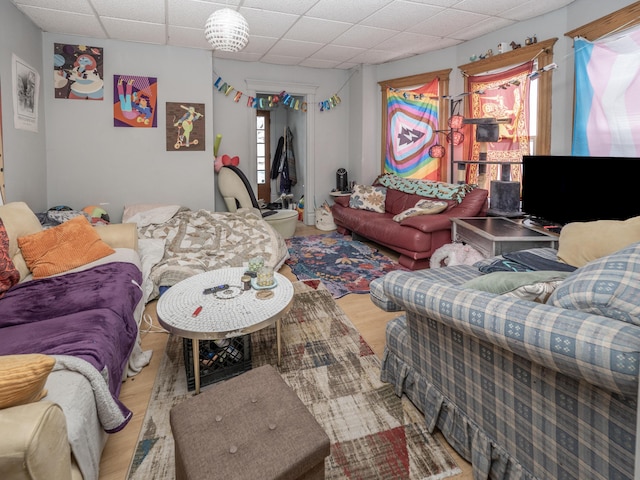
{"points": [[263, 157], [302, 124]]}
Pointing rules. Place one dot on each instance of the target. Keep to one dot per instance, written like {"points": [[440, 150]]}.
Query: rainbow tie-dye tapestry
{"points": [[607, 112], [412, 117]]}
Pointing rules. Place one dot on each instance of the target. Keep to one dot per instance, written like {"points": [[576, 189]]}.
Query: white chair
{"points": [[237, 193]]}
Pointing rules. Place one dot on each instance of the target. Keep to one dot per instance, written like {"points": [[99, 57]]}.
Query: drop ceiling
{"points": [[310, 33]]}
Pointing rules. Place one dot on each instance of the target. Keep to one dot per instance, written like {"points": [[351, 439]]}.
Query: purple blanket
{"points": [[87, 314]]}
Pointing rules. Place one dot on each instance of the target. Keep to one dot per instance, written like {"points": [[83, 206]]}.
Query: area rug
{"points": [[374, 434], [344, 265]]}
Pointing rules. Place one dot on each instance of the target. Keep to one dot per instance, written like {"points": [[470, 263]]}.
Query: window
{"points": [[539, 141]]}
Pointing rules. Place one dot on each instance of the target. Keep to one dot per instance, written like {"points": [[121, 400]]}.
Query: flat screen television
{"points": [[563, 189]]}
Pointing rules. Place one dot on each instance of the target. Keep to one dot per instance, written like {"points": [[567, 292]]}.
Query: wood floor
{"points": [[135, 392]]}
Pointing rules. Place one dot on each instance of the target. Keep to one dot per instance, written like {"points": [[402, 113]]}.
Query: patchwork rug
{"points": [[374, 434], [344, 265]]}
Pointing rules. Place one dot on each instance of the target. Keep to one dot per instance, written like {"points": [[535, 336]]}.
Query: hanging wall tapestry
{"points": [[134, 101], [607, 112], [505, 96], [412, 117], [185, 126]]}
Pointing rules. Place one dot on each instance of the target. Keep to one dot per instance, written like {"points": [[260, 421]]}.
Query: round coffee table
{"points": [[185, 310]]}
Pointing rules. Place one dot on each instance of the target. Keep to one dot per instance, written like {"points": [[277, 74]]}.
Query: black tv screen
{"points": [[564, 189]]}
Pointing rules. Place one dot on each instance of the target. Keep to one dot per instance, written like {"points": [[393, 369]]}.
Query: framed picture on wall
{"points": [[77, 72], [26, 87], [185, 126], [134, 101]]}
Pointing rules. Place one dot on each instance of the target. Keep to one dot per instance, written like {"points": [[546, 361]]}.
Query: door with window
{"points": [[263, 134]]}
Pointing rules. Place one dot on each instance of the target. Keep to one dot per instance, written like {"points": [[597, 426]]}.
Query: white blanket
{"points": [[201, 240]]}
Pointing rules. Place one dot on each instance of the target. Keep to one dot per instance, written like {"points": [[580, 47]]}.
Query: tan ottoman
{"points": [[250, 426]]}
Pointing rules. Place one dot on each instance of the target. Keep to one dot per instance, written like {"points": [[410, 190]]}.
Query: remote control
{"points": [[219, 288]]}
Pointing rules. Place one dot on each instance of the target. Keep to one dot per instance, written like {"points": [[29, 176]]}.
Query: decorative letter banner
{"points": [[272, 101], [607, 112], [411, 130]]}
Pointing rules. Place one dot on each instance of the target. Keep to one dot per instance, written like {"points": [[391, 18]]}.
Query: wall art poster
{"points": [[134, 101], [26, 87], [185, 126], [77, 72]]}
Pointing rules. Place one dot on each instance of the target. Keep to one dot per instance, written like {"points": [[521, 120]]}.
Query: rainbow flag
{"points": [[607, 112], [412, 117]]}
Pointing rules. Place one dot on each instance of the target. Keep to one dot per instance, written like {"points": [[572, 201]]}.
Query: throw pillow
{"points": [[367, 197], [9, 274], [583, 242], [19, 221], [22, 378], [61, 248], [422, 207], [609, 286], [534, 286]]}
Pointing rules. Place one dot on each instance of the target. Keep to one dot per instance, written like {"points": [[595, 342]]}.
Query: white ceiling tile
{"points": [[132, 31], [281, 59], [405, 42], [75, 6], [193, 14], [401, 15], [65, 22], [375, 56], [480, 28], [336, 52], [268, 24], [363, 36], [297, 7], [316, 63], [242, 56], [151, 11], [259, 45], [316, 30], [350, 11], [492, 8], [446, 22], [533, 8], [294, 48]]}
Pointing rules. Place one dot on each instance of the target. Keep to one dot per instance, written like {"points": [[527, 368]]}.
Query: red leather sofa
{"points": [[415, 238]]}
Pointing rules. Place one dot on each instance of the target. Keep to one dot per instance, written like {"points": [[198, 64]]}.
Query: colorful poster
{"points": [[607, 111], [412, 129], [134, 101], [185, 126], [26, 89], [77, 72]]}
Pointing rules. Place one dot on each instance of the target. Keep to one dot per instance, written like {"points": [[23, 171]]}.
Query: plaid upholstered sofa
{"points": [[522, 390]]}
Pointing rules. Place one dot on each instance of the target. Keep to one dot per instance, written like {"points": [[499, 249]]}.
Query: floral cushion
{"points": [[9, 274], [423, 207], [367, 197], [609, 286]]}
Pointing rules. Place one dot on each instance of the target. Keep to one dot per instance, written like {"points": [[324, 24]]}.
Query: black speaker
{"points": [[342, 181]]}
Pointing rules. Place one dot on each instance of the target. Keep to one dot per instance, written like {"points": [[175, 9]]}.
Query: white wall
{"points": [[24, 154], [91, 162]]}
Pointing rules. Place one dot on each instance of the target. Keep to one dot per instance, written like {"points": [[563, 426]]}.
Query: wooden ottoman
{"points": [[250, 426]]}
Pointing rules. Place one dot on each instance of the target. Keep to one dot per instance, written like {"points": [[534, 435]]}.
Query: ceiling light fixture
{"points": [[227, 30]]}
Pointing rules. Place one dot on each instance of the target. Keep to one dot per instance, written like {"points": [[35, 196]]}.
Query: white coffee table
{"points": [[227, 313]]}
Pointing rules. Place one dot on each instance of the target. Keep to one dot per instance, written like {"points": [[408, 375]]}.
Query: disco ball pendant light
{"points": [[227, 30]]}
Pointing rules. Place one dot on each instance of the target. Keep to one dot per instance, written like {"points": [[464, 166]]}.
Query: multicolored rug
{"points": [[344, 265], [374, 434]]}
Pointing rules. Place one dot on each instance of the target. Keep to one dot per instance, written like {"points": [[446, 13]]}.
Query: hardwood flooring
{"points": [[136, 391]]}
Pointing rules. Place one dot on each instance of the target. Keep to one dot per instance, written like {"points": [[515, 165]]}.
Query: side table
{"points": [[493, 236], [186, 311]]}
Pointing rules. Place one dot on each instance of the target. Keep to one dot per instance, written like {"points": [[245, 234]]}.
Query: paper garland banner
{"points": [[273, 100]]}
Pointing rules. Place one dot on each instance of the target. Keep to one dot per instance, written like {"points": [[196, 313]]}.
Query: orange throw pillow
{"points": [[22, 378], [61, 248]]}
